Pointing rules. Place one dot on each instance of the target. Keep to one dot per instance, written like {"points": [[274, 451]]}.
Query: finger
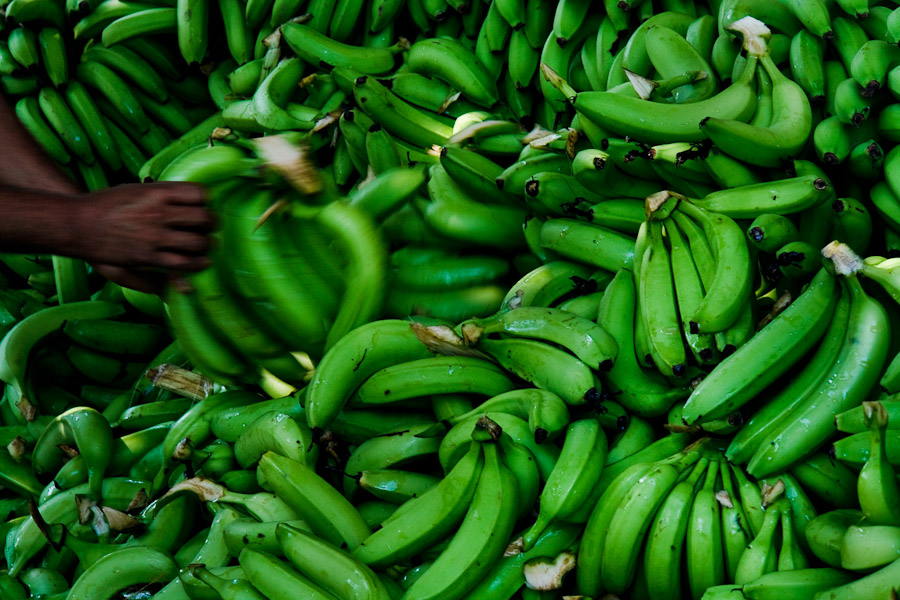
{"points": [[182, 262], [144, 281], [184, 193], [190, 217], [184, 242]]}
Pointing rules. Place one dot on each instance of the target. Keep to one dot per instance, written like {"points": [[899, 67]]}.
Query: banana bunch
{"points": [[702, 524], [859, 544], [811, 397]]}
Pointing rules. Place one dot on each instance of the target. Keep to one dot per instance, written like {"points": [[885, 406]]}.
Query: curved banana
{"points": [[422, 521], [28, 111], [345, 577], [106, 82], [730, 281], [386, 451], [584, 338], [817, 412], [396, 485], [666, 537], [90, 433], [480, 539], [738, 378], [546, 367], [783, 584], [318, 49], [705, 554], [63, 121], [761, 555], [870, 547], [576, 471], [150, 21], [877, 487], [546, 413], [276, 579], [121, 569], [656, 297], [315, 500], [640, 390], [633, 518], [660, 123]]}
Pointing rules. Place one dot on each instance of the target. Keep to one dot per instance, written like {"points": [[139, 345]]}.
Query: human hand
{"points": [[135, 227]]}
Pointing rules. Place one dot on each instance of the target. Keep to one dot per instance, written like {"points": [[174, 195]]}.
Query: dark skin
{"points": [[137, 235]]}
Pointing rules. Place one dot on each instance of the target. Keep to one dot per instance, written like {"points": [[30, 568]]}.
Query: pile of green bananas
{"points": [[510, 299], [860, 545]]}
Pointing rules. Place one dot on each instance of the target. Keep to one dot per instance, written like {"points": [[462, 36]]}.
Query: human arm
{"points": [[128, 232]]}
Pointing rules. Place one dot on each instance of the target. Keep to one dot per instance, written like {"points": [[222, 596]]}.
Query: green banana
{"points": [[817, 412], [587, 242], [688, 292], [24, 48], [592, 549], [546, 413], [769, 232], [279, 433], [237, 31], [867, 548], [658, 309], [386, 451], [454, 444], [120, 569], [663, 555], [26, 540], [758, 428], [545, 366], [782, 197], [659, 123], [454, 214], [352, 360], [109, 85], [18, 342], [800, 583], [53, 55], [420, 522], [63, 121], [92, 24], [729, 282], [877, 487], [784, 136], [150, 21], [395, 115], [507, 577], [247, 532], [275, 579], [481, 537], [671, 54], [91, 434], [315, 500], [576, 471], [28, 111], [345, 576], [736, 380], [227, 588], [705, 554], [639, 390], [761, 555], [879, 583], [316, 49], [395, 485], [735, 528], [584, 338]]}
